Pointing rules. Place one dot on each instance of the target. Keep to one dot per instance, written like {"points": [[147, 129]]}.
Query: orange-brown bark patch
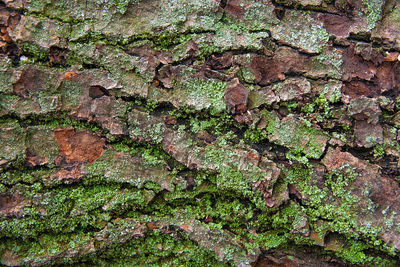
{"points": [[79, 146], [69, 76]]}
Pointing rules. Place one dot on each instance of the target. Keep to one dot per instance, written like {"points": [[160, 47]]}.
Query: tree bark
{"points": [[204, 132]]}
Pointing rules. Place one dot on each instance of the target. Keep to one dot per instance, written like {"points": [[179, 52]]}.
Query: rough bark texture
{"points": [[202, 132]]}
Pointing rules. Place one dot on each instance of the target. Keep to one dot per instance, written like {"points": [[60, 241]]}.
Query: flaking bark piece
{"points": [[236, 97], [79, 146]]}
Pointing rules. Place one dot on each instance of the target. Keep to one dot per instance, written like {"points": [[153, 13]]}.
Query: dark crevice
{"points": [[279, 13], [389, 167], [57, 56], [223, 3], [96, 91], [359, 152], [360, 37], [90, 66], [292, 5]]}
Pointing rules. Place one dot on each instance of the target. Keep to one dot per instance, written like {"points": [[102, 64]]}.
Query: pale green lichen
{"points": [[176, 12], [230, 37], [153, 132], [5, 82], [330, 63], [232, 177], [300, 137], [302, 32], [373, 9], [12, 141], [202, 94], [259, 16], [121, 5]]}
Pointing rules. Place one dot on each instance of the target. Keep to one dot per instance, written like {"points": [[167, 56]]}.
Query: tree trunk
{"points": [[203, 132]]}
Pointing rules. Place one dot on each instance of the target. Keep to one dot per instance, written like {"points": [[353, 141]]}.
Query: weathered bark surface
{"points": [[204, 132]]}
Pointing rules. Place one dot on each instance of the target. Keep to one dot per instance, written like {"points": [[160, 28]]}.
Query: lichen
{"points": [[373, 9], [301, 31], [203, 94], [299, 136]]}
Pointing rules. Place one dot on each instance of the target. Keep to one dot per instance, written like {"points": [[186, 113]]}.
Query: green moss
{"points": [[53, 246], [397, 103], [289, 216], [61, 120], [297, 155], [379, 150], [323, 105], [271, 239], [340, 136], [253, 135], [158, 249], [354, 253], [153, 155], [154, 132], [208, 49], [336, 205], [5, 82], [23, 175], [218, 125], [291, 105], [228, 208], [33, 50], [71, 216], [166, 39], [258, 16], [308, 108], [71, 208], [271, 120], [336, 186], [230, 178], [12, 141]]}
